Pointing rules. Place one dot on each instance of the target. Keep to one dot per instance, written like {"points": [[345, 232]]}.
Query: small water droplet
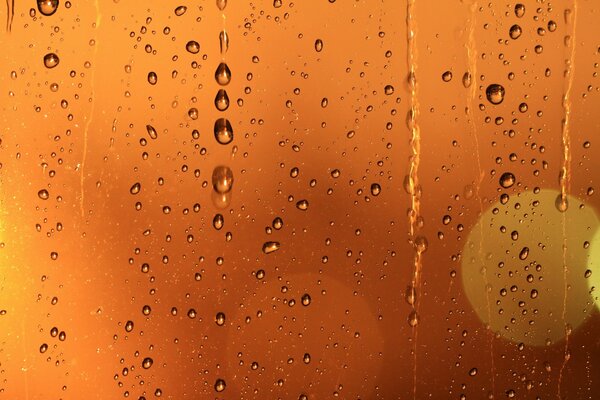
{"points": [[128, 326], [375, 189], [413, 319], [223, 131], [302, 205], [218, 221], [51, 60], [318, 45], [515, 31], [43, 194], [447, 76], [135, 188], [306, 299], [152, 78], [220, 385], [524, 253], [220, 319], [179, 11], [466, 79], [519, 10], [147, 363], [151, 132]]}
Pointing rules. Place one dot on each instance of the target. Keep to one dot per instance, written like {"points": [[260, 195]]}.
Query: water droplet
{"points": [[447, 76], [47, 7], [270, 247], [51, 60], [519, 10], [221, 4], [277, 223], [135, 188], [524, 253], [375, 189], [218, 221], [223, 131], [223, 74], [43, 194], [179, 11], [318, 45], [515, 31], [466, 79], [495, 93], [220, 319], [277, 3], [43, 348], [411, 295], [152, 78], [561, 203], [220, 385], [147, 363], [507, 180], [222, 179], [473, 372], [302, 205], [306, 299], [146, 310], [128, 326], [192, 47], [223, 42], [151, 132], [222, 100], [413, 319]]}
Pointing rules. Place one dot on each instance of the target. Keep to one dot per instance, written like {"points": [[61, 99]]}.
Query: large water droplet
{"points": [[192, 47], [220, 385], [152, 78], [515, 31], [495, 93], [222, 100], [179, 11], [222, 179], [318, 45], [223, 131], [507, 180], [51, 60], [151, 132], [270, 247], [135, 188], [43, 194], [147, 363], [47, 7], [223, 74], [519, 10]]}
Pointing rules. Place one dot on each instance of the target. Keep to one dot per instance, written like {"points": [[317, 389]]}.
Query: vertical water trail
{"points": [[565, 172], [413, 178], [471, 100], [10, 14], [88, 122]]}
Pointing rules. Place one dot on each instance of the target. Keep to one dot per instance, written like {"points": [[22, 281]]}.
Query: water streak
{"points": [[413, 176], [10, 14], [565, 172], [91, 116]]}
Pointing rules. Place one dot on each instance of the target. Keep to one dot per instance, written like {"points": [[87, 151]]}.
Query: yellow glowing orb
{"points": [[524, 265]]}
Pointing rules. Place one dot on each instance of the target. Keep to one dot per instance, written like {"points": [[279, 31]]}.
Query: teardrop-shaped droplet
{"points": [[51, 60], [302, 205], [222, 179], [270, 247], [411, 295], [223, 74], [223, 42], [218, 221], [223, 131], [47, 7], [466, 79], [135, 188], [152, 78], [561, 203], [318, 45], [222, 100], [220, 385], [495, 93], [221, 4], [192, 47], [151, 132]]}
